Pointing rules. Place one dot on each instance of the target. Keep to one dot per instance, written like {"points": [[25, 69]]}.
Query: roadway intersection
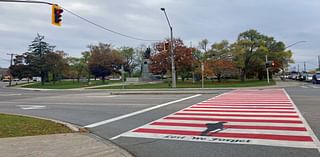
{"points": [[255, 122]]}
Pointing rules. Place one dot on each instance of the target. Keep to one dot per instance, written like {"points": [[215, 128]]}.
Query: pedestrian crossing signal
{"points": [[56, 15]]}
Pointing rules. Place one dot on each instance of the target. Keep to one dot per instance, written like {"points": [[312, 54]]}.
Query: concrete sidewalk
{"points": [[60, 145]]}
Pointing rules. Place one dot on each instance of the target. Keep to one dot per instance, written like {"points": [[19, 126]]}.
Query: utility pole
{"points": [[319, 62], [267, 69], [173, 70], [11, 59], [193, 79], [304, 67], [202, 74]]}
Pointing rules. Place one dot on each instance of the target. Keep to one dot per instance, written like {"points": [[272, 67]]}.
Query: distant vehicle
{"points": [[293, 75], [6, 79], [316, 78], [308, 77], [24, 79], [16, 79], [36, 79]]}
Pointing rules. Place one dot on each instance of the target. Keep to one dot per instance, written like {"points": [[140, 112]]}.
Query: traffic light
{"points": [[166, 46], [270, 64], [56, 15]]}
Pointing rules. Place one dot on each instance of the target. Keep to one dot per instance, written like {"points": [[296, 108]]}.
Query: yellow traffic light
{"points": [[56, 15]]}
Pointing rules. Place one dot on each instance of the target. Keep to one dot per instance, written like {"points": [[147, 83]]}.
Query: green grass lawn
{"points": [[15, 126], [67, 84], [189, 84]]}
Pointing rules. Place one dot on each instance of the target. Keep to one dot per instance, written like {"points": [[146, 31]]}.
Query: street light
{"points": [[298, 42], [171, 51]]}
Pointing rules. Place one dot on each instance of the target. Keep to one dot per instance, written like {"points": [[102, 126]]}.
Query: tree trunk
{"points": [[103, 79], [243, 75], [42, 78], [54, 78], [78, 79], [219, 77]]}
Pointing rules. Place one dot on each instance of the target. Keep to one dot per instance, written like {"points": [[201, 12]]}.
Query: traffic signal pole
{"points": [[18, 1], [56, 10], [267, 69]]}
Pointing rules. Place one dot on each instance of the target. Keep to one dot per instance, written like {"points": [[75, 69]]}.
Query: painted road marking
{"points": [[315, 86], [259, 117], [31, 107], [138, 112], [101, 96], [312, 134], [10, 94]]}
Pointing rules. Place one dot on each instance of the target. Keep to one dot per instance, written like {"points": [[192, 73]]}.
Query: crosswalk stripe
{"points": [[261, 117], [234, 123], [232, 126], [220, 134], [237, 115]]}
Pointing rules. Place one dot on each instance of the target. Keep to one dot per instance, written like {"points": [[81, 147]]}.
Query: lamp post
{"points": [[298, 42], [171, 51]]}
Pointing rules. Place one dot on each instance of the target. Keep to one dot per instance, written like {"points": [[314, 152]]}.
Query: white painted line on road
{"points": [[138, 112], [304, 87], [117, 136], [31, 107], [101, 96], [315, 87], [312, 134], [10, 94]]}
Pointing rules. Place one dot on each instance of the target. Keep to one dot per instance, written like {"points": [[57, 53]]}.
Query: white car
{"points": [[308, 77]]}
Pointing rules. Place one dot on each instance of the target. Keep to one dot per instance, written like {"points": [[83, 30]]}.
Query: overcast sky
{"points": [[192, 20]]}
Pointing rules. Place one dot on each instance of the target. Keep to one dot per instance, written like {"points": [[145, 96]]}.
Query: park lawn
{"points": [[16, 126], [67, 84], [189, 84]]}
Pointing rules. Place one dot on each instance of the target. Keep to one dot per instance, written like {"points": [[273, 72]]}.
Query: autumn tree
{"points": [[76, 68], [220, 59], [248, 51], [54, 64], [104, 60], [161, 61], [129, 60]]}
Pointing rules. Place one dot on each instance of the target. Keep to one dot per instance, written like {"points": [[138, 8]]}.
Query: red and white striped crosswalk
{"points": [[261, 117]]}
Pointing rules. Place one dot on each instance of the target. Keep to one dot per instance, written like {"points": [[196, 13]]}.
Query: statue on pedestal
{"points": [[146, 75]]}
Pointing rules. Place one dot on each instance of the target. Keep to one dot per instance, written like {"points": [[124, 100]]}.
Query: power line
{"points": [[107, 29], [84, 19]]}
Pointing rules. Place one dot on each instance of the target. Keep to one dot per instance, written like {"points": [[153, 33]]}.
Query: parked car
{"points": [[308, 77], [6, 79], [24, 79], [316, 78]]}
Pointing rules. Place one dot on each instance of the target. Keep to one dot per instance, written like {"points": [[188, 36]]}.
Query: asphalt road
{"points": [[87, 107]]}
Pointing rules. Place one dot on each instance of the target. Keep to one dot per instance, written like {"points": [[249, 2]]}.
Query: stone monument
{"points": [[146, 75]]}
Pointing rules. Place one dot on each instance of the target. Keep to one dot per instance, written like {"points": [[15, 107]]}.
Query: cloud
{"points": [[192, 20]]}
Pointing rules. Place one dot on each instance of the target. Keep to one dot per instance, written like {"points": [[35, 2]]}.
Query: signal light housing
{"points": [[56, 15]]}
